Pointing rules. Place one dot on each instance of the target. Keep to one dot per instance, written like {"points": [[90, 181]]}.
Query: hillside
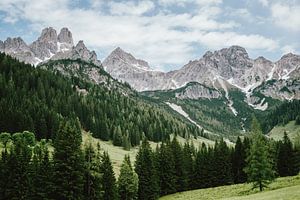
{"points": [[36, 99], [283, 188], [117, 153], [290, 128]]}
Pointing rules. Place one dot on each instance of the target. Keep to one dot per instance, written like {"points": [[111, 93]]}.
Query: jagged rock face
{"points": [[124, 67], [287, 67], [80, 70], [281, 89], [197, 91], [78, 52], [65, 40], [49, 46], [16, 47], [119, 62], [232, 66], [1, 45], [46, 45]]}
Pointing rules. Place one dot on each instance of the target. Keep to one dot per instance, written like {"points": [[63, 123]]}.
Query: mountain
{"points": [[48, 46], [225, 69], [125, 67], [219, 91]]}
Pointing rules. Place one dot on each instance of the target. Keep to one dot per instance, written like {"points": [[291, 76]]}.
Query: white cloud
{"points": [[217, 40], [130, 7], [264, 3], [289, 49], [163, 38], [184, 2], [286, 15]]}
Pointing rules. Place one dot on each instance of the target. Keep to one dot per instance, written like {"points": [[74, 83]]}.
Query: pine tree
{"points": [[223, 168], [41, 173], [166, 170], [259, 169], [180, 173], [68, 162], [145, 168], [108, 178], [19, 165], [285, 164], [128, 181], [239, 162], [4, 171], [188, 163], [93, 189]]}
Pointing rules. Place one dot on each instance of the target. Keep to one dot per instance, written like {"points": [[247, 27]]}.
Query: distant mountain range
{"points": [[217, 72]]}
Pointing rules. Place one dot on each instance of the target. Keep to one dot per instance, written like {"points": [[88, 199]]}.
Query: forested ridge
{"points": [[285, 112], [36, 100], [28, 170], [38, 105]]}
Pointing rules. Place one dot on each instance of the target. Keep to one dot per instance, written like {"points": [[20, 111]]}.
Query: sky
{"points": [[165, 33]]}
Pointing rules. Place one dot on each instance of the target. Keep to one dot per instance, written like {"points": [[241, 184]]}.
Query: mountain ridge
{"points": [[224, 69]]}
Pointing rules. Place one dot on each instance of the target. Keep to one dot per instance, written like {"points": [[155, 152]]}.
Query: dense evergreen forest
{"points": [[36, 100], [42, 157], [285, 112], [30, 169]]}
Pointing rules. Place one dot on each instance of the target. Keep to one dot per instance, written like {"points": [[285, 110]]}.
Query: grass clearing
{"points": [[290, 128], [287, 188], [117, 154]]}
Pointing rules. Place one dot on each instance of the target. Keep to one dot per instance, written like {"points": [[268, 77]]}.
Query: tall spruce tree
{"points": [[41, 173], [239, 162], [108, 178], [19, 167], [127, 181], [68, 162], [188, 163], [222, 163], [166, 170], [286, 161], [180, 173], [93, 189], [259, 169], [145, 168]]}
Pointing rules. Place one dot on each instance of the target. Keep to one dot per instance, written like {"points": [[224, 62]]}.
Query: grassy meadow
{"points": [[287, 188]]}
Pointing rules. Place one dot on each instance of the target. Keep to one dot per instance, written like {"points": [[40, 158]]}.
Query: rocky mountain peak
{"points": [[120, 57], [236, 51], [1, 45], [15, 45], [65, 36], [46, 45], [289, 56], [48, 35], [80, 46]]}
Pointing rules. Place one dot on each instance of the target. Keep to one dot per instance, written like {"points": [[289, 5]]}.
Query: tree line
{"points": [[30, 169], [36, 100], [62, 169]]}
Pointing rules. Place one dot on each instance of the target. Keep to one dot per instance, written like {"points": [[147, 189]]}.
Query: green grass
{"points": [[117, 153], [287, 188], [290, 128]]}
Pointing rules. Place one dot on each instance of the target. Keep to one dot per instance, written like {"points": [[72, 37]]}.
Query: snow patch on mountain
{"points": [[261, 106], [230, 102], [179, 109]]}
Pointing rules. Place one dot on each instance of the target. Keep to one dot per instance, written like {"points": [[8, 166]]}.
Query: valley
{"points": [[120, 129]]}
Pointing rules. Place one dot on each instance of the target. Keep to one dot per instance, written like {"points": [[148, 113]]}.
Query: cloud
{"points": [[185, 2], [264, 3], [162, 38], [130, 7], [289, 49], [217, 40], [286, 15]]}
